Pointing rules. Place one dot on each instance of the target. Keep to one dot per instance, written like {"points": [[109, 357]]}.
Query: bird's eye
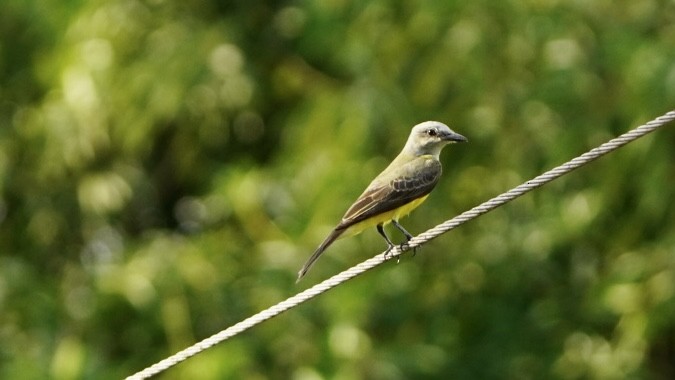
{"points": [[431, 132]]}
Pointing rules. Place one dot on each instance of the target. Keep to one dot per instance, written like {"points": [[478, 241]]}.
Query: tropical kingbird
{"points": [[399, 189]]}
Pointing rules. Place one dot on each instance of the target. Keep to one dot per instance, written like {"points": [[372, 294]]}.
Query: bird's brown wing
{"points": [[382, 197]]}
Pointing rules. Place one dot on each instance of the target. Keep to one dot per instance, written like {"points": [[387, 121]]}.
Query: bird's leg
{"points": [[407, 234], [390, 245]]}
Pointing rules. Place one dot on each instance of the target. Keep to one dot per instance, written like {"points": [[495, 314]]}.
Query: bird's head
{"points": [[430, 137]]}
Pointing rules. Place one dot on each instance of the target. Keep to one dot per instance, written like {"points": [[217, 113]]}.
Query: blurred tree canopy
{"points": [[166, 167]]}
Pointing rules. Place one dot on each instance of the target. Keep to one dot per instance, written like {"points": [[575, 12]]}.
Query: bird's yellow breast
{"points": [[384, 218]]}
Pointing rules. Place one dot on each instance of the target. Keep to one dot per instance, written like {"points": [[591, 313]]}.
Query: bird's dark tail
{"points": [[328, 241]]}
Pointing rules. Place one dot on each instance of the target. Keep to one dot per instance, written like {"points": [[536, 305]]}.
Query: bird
{"points": [[397, 190]]}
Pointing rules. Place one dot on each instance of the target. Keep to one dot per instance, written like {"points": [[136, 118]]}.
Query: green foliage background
{"points": [[166, 167]]}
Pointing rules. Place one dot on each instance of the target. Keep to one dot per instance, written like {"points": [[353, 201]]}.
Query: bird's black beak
{"points": [[454, 137]]}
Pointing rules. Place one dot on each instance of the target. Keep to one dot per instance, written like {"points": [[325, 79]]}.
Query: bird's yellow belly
{"points": [[384, 218]]}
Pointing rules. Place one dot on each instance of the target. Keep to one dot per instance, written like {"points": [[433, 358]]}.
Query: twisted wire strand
{"points": [[396, 251]]}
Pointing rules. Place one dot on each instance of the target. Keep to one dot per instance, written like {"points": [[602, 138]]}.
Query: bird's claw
{"points": [[387, 253], [402, 247], [406, 246]]}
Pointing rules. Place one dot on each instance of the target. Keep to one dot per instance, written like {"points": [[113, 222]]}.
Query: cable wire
{"points": [[397, 251]]}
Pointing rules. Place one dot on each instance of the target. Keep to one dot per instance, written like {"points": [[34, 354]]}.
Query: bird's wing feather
{"points": [[382, 197]]}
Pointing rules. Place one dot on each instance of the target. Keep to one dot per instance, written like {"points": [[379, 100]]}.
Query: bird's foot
{"points": [[387, 253], [406, 246]]}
